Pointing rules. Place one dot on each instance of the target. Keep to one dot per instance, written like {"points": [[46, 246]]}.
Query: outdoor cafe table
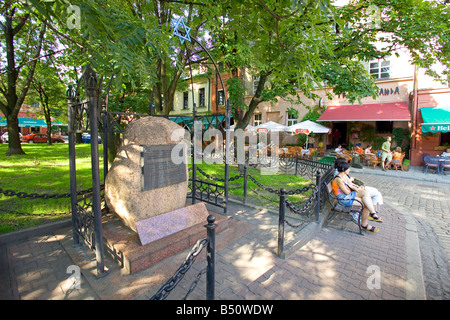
{"points": [[440, 161]]}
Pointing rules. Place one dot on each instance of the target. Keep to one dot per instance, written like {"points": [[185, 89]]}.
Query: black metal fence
{"points": [[307, 211], [209, 243]]}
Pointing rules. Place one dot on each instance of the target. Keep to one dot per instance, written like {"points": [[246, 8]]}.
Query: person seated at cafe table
{"points": [[368, 150], [339, 149], [357, 148], [397, 155]]}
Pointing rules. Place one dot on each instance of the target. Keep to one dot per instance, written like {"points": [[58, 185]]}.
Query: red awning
{"points": [[393, 111]]}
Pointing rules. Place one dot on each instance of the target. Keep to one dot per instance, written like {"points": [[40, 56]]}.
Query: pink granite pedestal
{"points": [[158, 237]]}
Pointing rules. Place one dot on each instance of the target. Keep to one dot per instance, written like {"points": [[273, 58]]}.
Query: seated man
{"points": [[339, 150], [359, 149]]}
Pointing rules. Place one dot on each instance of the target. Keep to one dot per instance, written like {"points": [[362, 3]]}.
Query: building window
{"points": [[291, 120], [221, 97], [258, 119], [255, 83], [201, 97], [380, 69], [185, 100], [384, 126]]}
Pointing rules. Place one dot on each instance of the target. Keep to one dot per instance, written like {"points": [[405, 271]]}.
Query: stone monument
{"points": [[146, 187], [143, 181]]}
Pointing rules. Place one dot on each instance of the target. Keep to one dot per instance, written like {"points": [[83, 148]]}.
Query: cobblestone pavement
{"points": [[428, 203], [332, 264]]}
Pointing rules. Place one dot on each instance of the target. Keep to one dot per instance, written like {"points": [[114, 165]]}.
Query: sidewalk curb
{"points": [[415, 284], [32, 232]]}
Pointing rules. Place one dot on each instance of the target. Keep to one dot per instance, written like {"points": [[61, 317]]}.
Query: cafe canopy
{"points": [[270, 126], [308, 127], [30, 122], [435, 119], [25, 122]]}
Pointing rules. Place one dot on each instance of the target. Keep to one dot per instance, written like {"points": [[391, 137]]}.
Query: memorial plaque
{"points": [[158, 169]]}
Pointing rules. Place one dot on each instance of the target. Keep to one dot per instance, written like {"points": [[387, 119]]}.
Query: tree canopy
{"points": [[292, 46]]}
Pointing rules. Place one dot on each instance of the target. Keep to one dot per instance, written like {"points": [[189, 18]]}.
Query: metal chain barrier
{"points": [[165, 290], [53, 214], [218, 179], [307, 207], [22, 195]]}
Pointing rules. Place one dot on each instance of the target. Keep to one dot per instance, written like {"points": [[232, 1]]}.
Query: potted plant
{"points": [[429, 135], [441, 148], [406, 165]]}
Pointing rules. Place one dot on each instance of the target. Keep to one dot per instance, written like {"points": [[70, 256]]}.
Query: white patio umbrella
{"points": [[271, 126], [308, 127]]}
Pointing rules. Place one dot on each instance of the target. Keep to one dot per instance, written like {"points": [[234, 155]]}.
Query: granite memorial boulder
{"points": [[149, 175]]}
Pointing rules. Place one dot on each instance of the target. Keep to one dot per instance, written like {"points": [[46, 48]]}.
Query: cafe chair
{"points": [[373, 160], [423, 159], [445, 164], [398, 163], [431, 162]]}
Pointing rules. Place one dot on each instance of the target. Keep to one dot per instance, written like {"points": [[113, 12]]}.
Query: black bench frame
{"points": [[337, 207]]}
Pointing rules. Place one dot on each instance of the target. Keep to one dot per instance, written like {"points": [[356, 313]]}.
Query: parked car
{"points": [[4, 137], [86, 138], [39, 138]]}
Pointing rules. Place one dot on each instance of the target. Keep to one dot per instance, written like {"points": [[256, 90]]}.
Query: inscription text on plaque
{"points": [[158, 169]]}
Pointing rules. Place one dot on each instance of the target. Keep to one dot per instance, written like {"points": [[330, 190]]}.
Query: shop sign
{"points": [[435, 127], [381, 92]]}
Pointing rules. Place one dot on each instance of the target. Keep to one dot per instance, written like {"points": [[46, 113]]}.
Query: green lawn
{"points": [[256, 195], [45, 170]]}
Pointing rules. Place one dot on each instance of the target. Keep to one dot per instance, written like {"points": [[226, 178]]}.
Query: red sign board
{"points": [[262, 130], [302, 131]]}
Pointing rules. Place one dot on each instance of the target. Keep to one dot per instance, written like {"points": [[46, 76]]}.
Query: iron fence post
{"points": [[194, 157], [227, 151], [245, 183], [281, 216], [72, 162], [210, 251], [92, 92], [296, 163], [105, 145], [318, 184]]}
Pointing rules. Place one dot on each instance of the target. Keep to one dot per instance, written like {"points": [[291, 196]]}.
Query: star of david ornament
{"points": [[178, 27]]}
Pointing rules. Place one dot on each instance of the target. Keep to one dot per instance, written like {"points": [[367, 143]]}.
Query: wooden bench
{"points": [[353, 211]]}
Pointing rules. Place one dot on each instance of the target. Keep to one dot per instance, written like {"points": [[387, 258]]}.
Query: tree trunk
{"points": [[14, 146], [14, 102], [256, 100]]}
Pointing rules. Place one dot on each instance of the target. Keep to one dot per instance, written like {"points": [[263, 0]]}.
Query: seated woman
{"points": [[375, 194], [397, 155], [347, 192], [368, 150]]}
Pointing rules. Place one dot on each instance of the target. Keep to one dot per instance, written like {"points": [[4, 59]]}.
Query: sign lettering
{"points": [[158, 169]]}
